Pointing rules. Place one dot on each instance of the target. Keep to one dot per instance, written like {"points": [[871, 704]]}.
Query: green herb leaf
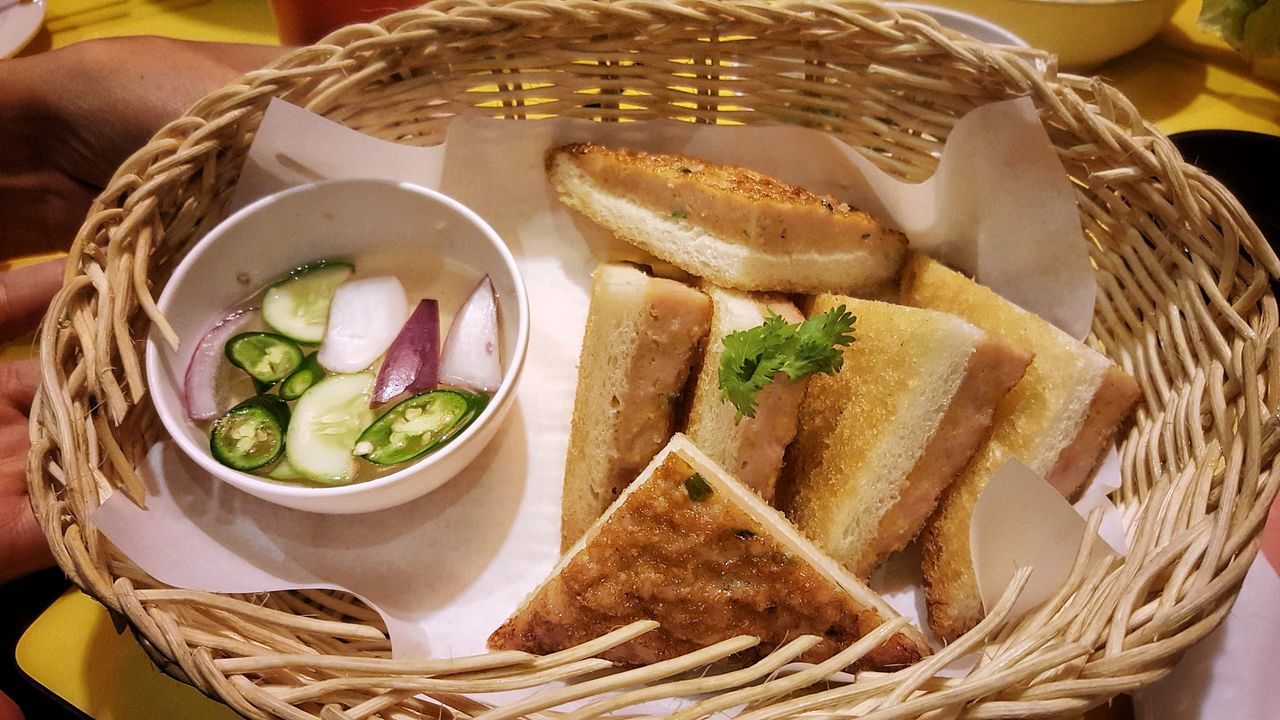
{"points": [[753, 357], [697, 487]]}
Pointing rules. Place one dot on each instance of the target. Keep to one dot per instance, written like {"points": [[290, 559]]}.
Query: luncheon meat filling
{"points": [[993, 368], [1110, 406], [679, 317], [763, 439], [680, 553]]}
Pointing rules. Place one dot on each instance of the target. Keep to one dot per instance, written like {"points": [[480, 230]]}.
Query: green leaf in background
{"points": [[1262, 31], [1250, 26]]}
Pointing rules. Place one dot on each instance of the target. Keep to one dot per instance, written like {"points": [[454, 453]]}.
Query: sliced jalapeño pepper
{"points": [[250, 434], [267, 357], [418, 425], [299, 381]]}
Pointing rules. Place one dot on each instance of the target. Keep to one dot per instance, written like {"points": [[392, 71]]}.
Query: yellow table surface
{"points": [[1182, 80], [1187, 80], [69, 21], [73, 650]]}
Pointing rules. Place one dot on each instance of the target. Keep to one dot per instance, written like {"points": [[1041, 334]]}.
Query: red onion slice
{"points": [[470, 356], [413, 361], [198, 385]]}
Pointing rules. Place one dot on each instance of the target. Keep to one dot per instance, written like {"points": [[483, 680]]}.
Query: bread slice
{"points": [[881, 439], [1059, 420], [750, 448], [689, 546], [732, 226], [642, 334]]}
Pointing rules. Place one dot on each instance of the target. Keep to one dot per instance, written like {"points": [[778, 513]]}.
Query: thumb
{"points": [[18, 382], [25, 293]]}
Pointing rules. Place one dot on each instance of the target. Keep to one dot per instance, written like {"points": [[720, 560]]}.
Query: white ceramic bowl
{"points": [[1082, 33], [20, 20], [970, 25], [384, 227]]}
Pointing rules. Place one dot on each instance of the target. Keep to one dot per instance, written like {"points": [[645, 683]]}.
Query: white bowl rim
{"points": [[942, 14], [281, 489]]}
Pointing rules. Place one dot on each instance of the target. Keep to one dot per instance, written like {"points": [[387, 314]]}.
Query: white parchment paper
{"points": [[1231, 672], [446, 569]]}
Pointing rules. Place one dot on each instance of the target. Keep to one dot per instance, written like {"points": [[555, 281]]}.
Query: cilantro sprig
{"points": [[753, 357]]}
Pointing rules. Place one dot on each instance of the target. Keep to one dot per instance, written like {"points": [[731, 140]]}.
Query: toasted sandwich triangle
{"points": [[729, 225], [691, 547]]}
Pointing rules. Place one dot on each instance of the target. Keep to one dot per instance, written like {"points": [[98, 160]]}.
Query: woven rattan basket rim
{"points": [[1185, 305]]}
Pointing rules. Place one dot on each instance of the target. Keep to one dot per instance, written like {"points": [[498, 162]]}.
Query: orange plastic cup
{"points": [[301, 22]]}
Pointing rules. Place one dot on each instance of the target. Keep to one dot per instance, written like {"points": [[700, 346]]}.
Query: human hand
{"points": [[1271, 536], [70, 117], [24, 297], [8, 710]]}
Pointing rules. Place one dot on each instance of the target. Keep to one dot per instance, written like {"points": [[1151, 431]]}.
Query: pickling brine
{"points": [[332, 375]]}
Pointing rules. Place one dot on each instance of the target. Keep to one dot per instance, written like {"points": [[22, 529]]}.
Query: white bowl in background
{"points": [[971, 25], [20, 21], [381, 226], [1082, 33]]}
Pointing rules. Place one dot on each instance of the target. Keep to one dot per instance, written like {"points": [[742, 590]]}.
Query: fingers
{"points": [[15, 440], [41, 209], [23, 548], [22, 544], [25, 293], [18, 382]]}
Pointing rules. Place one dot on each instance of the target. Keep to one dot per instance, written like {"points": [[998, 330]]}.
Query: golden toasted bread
{"points": [[750, 448], [641, 336], [1059, 420], [734, 227], [689, 546], [881, 439]]}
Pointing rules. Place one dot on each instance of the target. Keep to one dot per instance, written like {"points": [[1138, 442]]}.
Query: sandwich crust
{"points": [[722, 197], [690, 547], [733, 226], [750, 448], [992, 370], [642, 333], [1059, 420], [880, 440], [1110, 406]]}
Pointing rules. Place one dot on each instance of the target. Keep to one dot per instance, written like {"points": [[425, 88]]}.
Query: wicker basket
{"points": [[1185, 305]]}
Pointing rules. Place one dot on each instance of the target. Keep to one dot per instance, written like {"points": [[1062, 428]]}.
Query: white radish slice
{"points": [[470, 356], [325, 425], [413, 361], [364, 318], [198, 386]]}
